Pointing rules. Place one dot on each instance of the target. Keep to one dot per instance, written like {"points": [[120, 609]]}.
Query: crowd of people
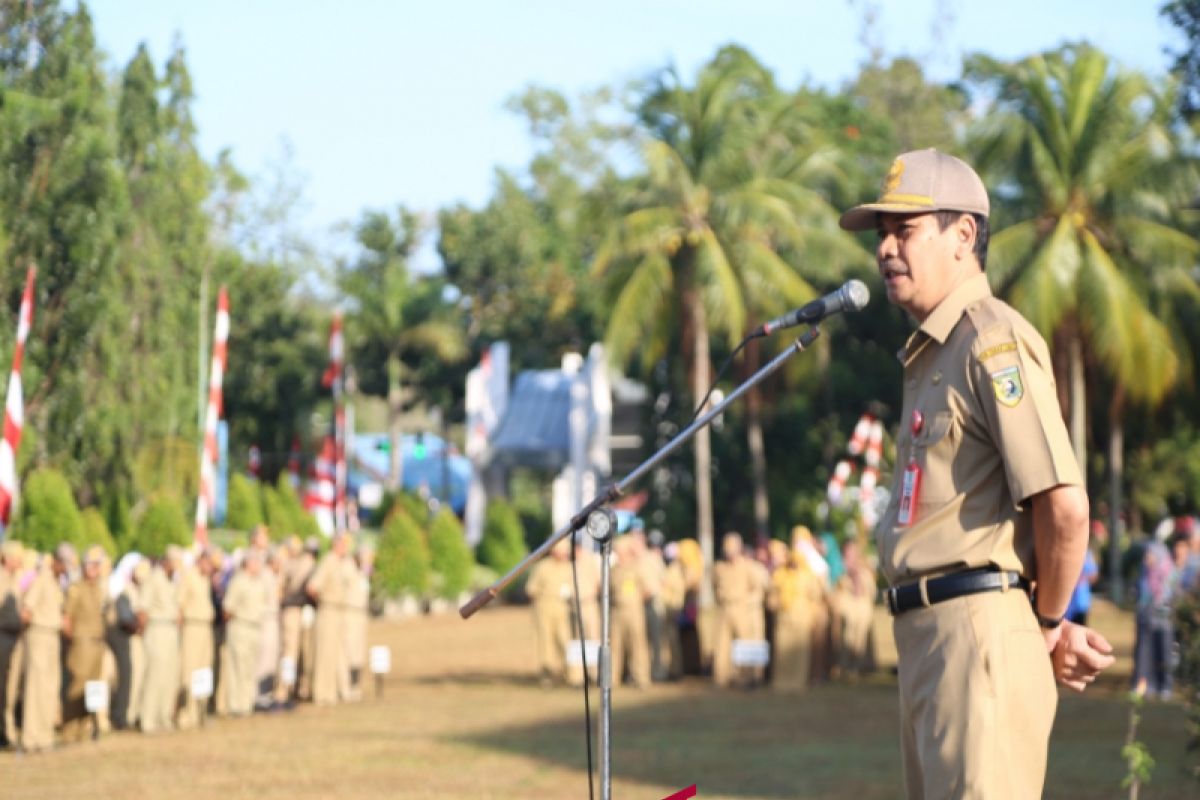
{"points": [[1170, 571], [810, 601], [175, 638]]}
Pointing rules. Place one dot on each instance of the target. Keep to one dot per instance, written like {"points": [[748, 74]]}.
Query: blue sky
{"points": [[403, 102]]}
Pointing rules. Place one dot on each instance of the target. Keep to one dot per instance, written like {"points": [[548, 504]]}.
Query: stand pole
{"points": [[580, 519]]}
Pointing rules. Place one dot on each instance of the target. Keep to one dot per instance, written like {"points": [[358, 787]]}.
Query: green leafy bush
{"points": [[243, 508], [1187, 629], [503, 544], [47, 513], [95, 531], [161, 525], [451, 558], [402, 561]]}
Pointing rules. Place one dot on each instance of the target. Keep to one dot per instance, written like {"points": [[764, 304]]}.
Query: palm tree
{"points": [[1088, 163], [397, 319], [721, 198]]}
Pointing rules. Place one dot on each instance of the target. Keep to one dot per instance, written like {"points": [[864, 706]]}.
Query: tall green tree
{"points": [[397, 320], [1093, 178]]}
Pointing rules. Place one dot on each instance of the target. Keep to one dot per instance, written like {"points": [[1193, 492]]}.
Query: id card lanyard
{"points": [[910, 482]]}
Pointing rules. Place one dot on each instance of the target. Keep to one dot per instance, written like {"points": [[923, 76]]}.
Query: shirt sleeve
{"points": [[1014, 385]]}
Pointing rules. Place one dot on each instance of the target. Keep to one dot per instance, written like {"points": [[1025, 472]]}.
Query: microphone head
{"points": [[856, 295]]}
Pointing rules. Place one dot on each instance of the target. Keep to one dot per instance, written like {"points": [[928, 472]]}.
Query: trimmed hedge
{"points": [[450, 556], [402, 560], [46, 513]]}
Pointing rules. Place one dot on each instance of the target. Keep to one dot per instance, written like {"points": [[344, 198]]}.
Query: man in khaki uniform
{"points": [[648, 549], [674, 595], [42, 613], [196, 645], [854, 598], [550, 588], [160, 687], [587, 564], [11, 560], [740, 585], [271, 577], [245, 600], [358, 607], [84, 630], [330, 586], [125, 641], [987, 499], [629, 592], [300, 566]]}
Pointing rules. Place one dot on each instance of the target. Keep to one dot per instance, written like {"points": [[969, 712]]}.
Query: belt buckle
{"points": [[893, 602]]}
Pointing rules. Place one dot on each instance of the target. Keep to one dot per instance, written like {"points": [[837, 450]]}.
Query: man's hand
{"points": [[1077, 654]]}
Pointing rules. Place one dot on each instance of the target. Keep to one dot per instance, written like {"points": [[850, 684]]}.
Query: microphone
{"points": [[852, 296]]}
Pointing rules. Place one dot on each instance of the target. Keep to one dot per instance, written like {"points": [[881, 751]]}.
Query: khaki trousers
{"points": [[289, 647], [553, 632], [308, 657], [160, 687], [85, 662], [977, 698], [43, 679], [591, 630], [243, 641], [331, 669], [195, 652], [629, 644], [791, 655], [745, 622], [267, 668]]}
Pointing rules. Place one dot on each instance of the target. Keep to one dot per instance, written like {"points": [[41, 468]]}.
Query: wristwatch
{"points": [[1049, 623]]}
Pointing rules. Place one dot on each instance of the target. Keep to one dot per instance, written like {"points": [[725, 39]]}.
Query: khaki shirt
{"points": [[652, 567], [629, 587], [44, 600], [160, 598], [195, 597], [550, 582], [992, 436], [246, 598], [84, 606], [740, 584], [333, 580], [295, 579]]}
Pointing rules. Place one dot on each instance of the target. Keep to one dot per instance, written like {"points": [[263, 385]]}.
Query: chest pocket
{"points": [[935, 449]]}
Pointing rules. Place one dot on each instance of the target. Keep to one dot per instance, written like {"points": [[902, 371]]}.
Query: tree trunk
{"points": [[1116, 479], [702, 449], [395, 406], [758, 453], [1078, 403]]}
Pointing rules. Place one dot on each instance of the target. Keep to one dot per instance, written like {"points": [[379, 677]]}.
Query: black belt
{"points": [[936, 590]]}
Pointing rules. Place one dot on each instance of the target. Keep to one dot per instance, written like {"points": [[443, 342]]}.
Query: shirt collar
{"points": [[938, 325]]}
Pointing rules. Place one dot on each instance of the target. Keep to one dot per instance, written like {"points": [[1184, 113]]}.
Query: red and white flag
{"points": [[14, 410], [319, 499], [208, 456], [333, 380]]}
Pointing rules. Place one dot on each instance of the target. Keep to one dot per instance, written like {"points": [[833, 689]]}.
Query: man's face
{"points": [[917, 260]]}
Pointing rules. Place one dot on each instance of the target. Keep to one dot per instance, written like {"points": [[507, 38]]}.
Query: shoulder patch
{"points": [[1008, 386], [1007, 347]]}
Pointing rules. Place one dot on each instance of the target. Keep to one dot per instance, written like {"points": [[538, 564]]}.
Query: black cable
{"points": [[587, 704], [720, 373]]}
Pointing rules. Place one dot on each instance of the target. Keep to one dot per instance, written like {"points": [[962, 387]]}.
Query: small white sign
{"points": [[202, 683], [751, 652], [381, 660], [287, 671], [577, 651], [95, 696]]}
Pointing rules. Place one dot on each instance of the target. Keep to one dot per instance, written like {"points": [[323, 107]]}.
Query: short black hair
{"points": [[947, 218]]}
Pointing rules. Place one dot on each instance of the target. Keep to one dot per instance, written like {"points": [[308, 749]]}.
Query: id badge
{"points": [[910, 490]]}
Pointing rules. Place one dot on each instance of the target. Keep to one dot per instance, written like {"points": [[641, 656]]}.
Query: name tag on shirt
{"points": [[910, 488]]}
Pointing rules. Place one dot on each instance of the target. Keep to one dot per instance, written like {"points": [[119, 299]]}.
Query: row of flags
{"points": [[325, 496]]}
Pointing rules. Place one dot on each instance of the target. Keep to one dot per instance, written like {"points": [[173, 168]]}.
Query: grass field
{"points": [[461, 716]]}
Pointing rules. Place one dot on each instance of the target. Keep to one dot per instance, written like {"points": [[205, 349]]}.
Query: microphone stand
{"points": [[601, 529]]}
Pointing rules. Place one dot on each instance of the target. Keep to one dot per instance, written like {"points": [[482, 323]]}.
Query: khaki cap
{"points": [[920, 182]]}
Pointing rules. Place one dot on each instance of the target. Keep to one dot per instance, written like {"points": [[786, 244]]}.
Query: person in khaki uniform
{"points": [[196, 645], [587, 565], [795, 593], [674, 597], [160, 686], [84, 629], [358, 607], [854, 598], [550, 588], [629, 592], [648, 551], [296, 572], [245, 599], [11, 560], [271, 577], [987, 499], [330, 586], [740, 586], [42, 613], [125, 641]]}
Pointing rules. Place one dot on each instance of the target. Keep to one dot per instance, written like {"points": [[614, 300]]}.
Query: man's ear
{"points": [[965, 232]]}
